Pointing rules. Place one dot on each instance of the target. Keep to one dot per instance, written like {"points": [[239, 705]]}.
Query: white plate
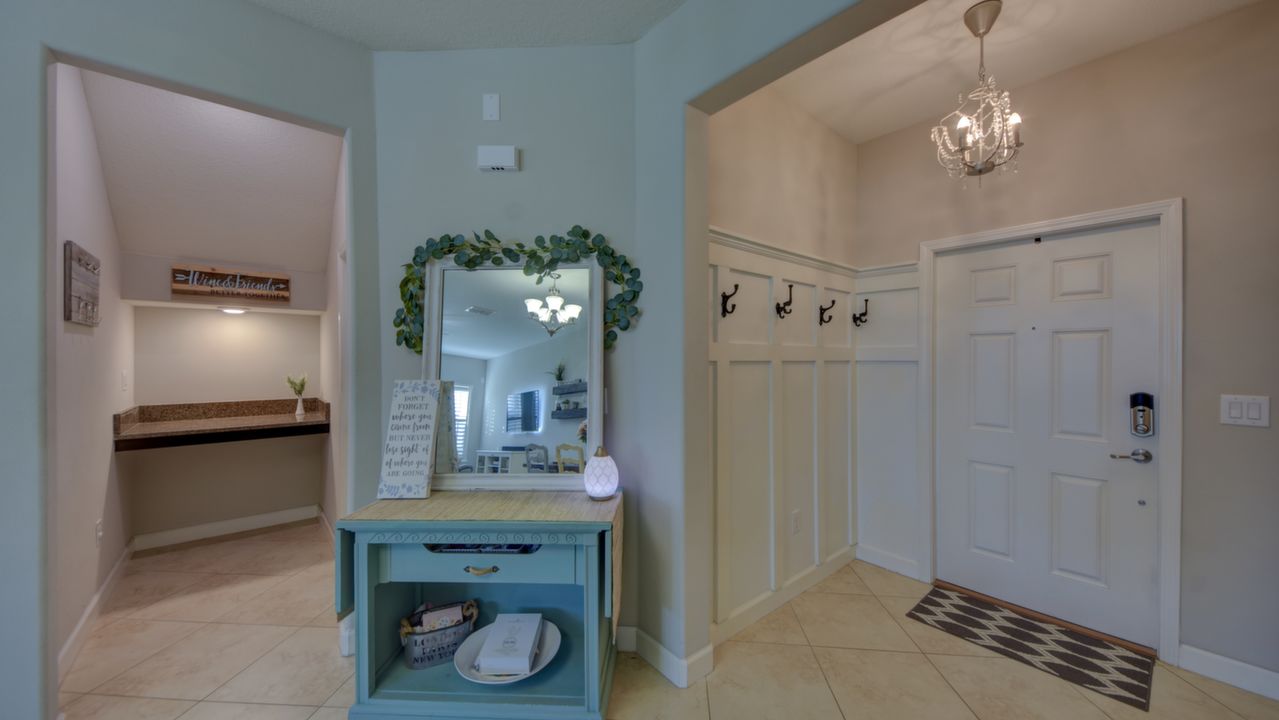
{"points": [[464, 658]]}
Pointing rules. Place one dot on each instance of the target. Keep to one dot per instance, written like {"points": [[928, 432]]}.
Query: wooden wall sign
{"points": [[81, 276], [211, 282]]}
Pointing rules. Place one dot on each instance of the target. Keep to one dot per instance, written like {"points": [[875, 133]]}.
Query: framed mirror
{"points": [[522, 365]]}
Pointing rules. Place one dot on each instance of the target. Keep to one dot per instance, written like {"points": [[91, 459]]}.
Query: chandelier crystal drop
{"points": [[983, 133], [553, 314]]}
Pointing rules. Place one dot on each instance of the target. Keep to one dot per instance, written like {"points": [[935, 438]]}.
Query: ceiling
{"points": [[503, 291], [462, 24], [193, 179], [913, 67]]}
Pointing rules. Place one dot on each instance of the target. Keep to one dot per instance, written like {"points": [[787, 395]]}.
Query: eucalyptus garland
{"points": [[540, 258]]}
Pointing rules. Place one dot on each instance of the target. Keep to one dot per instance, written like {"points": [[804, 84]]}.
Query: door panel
{"points": [[1038, 346]]}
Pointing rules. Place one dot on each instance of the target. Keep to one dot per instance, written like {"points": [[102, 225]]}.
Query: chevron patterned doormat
{"points": [[1095, 664]]}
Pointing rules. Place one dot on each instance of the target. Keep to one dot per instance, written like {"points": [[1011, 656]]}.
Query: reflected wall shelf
{"points": [[572, 388]]}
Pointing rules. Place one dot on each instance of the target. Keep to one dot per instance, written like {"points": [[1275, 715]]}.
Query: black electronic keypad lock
{"points": [[1141, 414]]}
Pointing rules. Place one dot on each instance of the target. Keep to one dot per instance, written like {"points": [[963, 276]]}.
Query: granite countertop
{"points": [[150, 426]]}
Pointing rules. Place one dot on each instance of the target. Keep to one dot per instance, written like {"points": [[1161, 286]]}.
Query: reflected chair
{"points": [[564, 457], [536, 458]]}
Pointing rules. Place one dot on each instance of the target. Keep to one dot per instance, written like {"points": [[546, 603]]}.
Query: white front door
{"points": [[1039, 345]]}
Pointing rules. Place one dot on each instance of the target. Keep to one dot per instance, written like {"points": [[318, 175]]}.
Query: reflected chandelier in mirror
{"points": [[541, 258]]}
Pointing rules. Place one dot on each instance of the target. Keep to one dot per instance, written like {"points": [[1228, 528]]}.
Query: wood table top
{"points": [[495, 506]]}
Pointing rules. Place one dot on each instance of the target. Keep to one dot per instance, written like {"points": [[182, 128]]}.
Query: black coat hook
{"points": [[784, 309], [724, 309], [822, 318], [859, 319]]}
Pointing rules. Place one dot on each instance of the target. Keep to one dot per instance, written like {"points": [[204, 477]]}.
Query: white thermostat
{"points": [[497, 157]]}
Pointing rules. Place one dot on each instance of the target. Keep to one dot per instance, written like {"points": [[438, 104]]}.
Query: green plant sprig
{"points": [[540, 258]]}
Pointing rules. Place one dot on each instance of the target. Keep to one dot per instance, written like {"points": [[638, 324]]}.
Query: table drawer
{"points": [[553, 564]]}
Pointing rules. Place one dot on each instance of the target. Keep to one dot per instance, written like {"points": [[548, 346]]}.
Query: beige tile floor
{"points": [[244, 630]]}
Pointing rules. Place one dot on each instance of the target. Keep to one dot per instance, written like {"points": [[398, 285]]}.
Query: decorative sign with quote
{"points": [[211, 282], [410, 440]]}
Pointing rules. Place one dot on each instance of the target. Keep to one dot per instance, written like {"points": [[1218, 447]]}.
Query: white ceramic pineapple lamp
{"points": [[600, 475]]}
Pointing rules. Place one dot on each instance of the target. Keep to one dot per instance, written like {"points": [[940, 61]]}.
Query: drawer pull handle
{"points": [[480, 571]]}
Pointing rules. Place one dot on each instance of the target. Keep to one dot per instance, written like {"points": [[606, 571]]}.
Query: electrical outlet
{"points": [[97, 533], [794, 522], [124, 381]]}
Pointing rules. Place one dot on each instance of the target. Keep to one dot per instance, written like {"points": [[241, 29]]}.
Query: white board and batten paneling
{"points": [[783, 394], [890, 531]]}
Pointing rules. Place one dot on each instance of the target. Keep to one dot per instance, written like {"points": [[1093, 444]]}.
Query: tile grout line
{"points": [[252, 662], [818, 660], [927, 659], [139, 662], [202, 623], [337, 689], [1214, 698]]}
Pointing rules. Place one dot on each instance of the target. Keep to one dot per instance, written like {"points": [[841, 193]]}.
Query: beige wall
{"points": [[1193, 115], [86, 366], [185, 355], [780, 177], [179, 487]]}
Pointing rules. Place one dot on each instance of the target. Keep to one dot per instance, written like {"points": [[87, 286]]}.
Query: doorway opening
{"points": [[196, 257]]}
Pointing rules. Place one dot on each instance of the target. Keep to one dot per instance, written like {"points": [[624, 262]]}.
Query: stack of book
{"points": [[511, 645]]}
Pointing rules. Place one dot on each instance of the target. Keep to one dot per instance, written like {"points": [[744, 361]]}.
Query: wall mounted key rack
{"points": [[860, 318], [724, 297], [784, 309], [822, 317]]}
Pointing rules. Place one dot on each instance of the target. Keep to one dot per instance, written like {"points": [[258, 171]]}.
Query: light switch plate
{"points": [[1250, 410], [492, 106]]}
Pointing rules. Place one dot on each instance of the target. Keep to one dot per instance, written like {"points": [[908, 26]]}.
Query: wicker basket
{"points": [[434, 647]]}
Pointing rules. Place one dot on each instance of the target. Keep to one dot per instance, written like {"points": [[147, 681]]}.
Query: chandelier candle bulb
{"points": [[983, 133]]}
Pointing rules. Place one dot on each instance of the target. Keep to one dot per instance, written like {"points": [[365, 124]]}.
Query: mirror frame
{"points": [[596, 390]]}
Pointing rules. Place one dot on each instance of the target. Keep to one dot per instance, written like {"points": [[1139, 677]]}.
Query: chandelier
{"points": [[983, 133], [553, 314]]}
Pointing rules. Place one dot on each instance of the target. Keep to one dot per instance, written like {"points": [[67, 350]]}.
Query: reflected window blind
{"points": [[522, 411], [461, 411]]}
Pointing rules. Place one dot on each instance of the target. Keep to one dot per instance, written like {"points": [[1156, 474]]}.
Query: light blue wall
{"points": [[225, 49], [701, 45], [570, 110]]}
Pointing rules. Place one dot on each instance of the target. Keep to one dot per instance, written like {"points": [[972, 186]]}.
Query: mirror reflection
{"points": [[516, 357]]}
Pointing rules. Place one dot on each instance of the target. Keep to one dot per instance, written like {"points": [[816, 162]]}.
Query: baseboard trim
{"points": [[178, 536], [75, 641], [329, 530], [680, 671], [890, 561], [755, 609], [1230, 671], [626, 638]]}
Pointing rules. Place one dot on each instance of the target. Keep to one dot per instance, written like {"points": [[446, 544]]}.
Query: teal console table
{"points": [[384, 571]]}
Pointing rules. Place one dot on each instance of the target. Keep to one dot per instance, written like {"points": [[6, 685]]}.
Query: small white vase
{"points": [[300, 411]]}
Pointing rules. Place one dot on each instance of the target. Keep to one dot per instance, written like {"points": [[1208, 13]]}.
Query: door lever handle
{"points": [[1138, 456]]}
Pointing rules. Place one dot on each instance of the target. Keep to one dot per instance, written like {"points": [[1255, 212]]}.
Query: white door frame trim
{"points": [[1168, 213]]}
